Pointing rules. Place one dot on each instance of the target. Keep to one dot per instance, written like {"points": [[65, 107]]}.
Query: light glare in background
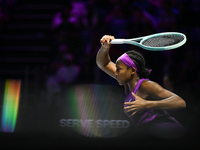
{"points": [[10, 105], [95, 111]]}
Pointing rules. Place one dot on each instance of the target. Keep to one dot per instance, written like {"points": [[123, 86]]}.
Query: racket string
{"points": [[161, 41]]}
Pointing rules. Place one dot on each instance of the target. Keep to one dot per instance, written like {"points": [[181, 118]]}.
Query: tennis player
{"points": [[146, 101]]}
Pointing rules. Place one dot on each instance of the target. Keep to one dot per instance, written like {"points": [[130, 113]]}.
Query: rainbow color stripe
{"points": [[10, 105], [95, 102]]}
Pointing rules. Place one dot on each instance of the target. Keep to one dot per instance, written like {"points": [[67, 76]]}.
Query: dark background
{"points": [[51, 45]]}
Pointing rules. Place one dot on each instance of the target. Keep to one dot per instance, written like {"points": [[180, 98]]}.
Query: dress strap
{"points": [[138, 85]]}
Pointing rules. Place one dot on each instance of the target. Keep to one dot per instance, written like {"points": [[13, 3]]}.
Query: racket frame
{"points": [[138, 41]]}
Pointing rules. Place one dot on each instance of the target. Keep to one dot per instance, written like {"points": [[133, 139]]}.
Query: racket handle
{"points": [[117, 41]]}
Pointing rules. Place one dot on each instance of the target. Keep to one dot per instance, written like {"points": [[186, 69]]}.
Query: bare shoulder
{"points": [[150, 88], [148, 85], [154, 90]]}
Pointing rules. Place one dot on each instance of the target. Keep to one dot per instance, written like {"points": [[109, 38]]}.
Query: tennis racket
{"points": [[156, 42]]}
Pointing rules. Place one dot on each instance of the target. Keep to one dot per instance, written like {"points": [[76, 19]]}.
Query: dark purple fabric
{"points": [[140, 117], [150, 120]]}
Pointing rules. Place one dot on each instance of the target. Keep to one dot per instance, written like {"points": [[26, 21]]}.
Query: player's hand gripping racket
{"points": [[156, 42]]}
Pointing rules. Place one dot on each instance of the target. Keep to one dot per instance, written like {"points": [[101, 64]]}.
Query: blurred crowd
{"points": [[79, 26]]}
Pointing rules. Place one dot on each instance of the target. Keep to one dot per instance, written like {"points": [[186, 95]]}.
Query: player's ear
{"points": [[133, 70]]}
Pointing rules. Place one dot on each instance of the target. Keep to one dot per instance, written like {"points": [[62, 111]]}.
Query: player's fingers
{"points": [[106, 39], [134, 95], [102, 39], [110, 38], [131, 106], [129, 103], [133, 109], [133, 114]]}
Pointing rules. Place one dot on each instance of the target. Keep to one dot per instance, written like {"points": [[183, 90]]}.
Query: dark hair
{"points": [[139, 61]]}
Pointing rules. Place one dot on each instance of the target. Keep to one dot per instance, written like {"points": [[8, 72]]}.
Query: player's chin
{"points": [[120, 83]]}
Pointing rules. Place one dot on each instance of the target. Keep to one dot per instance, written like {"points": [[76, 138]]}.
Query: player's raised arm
{"points": [[103, 59]]}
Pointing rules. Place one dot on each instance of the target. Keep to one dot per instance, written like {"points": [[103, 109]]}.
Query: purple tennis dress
{"points": [[154, 122]]}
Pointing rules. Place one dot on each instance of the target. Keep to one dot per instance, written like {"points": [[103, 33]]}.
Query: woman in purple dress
{"points": [[146, 101]]}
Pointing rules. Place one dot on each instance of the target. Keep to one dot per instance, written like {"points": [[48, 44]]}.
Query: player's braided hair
{"points": [[139, 61]]}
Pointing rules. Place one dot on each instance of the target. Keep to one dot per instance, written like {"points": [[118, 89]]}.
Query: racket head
{"points": [[163, 41]]}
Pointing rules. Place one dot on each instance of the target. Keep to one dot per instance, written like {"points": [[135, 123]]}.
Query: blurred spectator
{"points": [[68, 72], [90, 24], [168, 82], [117, 22], [53, 87], [61, 17], [60, 76], [78, 13], [167, 17], [65, 31], [189, 71], [142, 23]]}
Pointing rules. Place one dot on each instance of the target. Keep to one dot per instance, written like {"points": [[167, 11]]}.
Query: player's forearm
{"points": [[172, 103], [103, 58]]}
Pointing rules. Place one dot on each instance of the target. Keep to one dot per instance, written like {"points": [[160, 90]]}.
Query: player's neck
{"points": [[133, 83]]}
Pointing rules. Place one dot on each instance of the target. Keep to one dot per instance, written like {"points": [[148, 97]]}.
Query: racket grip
{"points": [[117, 41]]}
